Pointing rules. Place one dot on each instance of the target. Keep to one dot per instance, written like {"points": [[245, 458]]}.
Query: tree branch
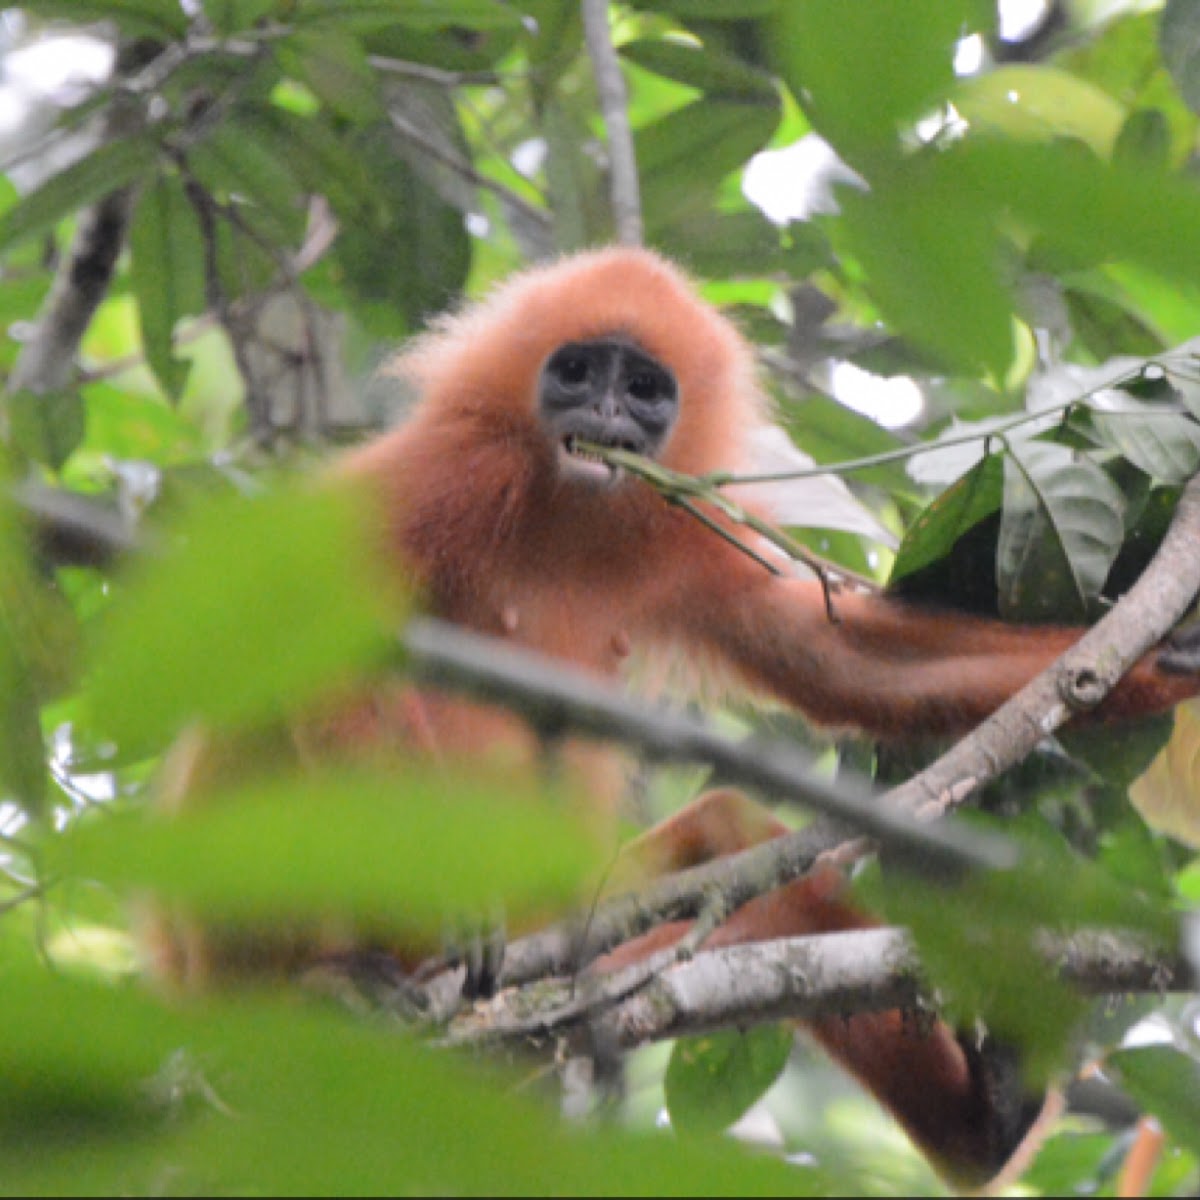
{"points": [[610, 88], [803, 978]]}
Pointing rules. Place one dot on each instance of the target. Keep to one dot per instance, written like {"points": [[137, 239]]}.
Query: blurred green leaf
{"points": [[167, 250], [298, 601], [418, 14], [719, 76], [1144, 140], [334, 65], [712, 1080], [397, 851], [152, 18], [271, 1096], [825, 49], [75, 187], [1040, 103], [234, 162], [46, 426], [1165, 1082]]}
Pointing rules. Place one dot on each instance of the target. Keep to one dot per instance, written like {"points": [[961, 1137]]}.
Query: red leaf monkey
{"points": [[512, 530]]}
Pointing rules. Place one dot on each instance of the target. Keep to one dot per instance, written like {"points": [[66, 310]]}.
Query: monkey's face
{"points": [[608, 392]]}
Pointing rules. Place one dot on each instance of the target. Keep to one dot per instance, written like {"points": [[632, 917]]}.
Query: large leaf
{"points": [[97, 1097], [931, 258], [1165, 445], [684, 155], [82, 183], [395, 851], [1059, 535], [253, 608], [829, 51], [167, 249]]}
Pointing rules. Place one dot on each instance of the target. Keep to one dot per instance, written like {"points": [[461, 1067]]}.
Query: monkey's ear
{"points": [[1180, 654]]}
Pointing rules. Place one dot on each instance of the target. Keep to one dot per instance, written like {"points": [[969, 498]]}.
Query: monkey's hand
{"points": [[1180, 653]]}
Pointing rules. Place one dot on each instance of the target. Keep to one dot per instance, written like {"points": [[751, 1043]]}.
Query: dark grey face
{"points": [[608, 392]]}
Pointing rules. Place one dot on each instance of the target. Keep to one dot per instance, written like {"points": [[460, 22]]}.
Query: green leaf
{"points": [[104, 1091], [1059, 534], [685, 155], [82, 183], [1179, 42], [959, 508], [712, 10], [1165, 445], [1040, 103], [254, 608], [833, 433], [931, 260], [417, 262], [719, 76], [152, 18], [395, 851], [826, 49], [324, 162], [415, 14], [1144, 140], [237, 163], [712, 1080], [167, 250], [46, 426], [334, 66], [1166, 1082]]}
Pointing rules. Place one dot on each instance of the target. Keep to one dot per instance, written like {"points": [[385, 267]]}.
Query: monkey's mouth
{"points": [[587, 466]]}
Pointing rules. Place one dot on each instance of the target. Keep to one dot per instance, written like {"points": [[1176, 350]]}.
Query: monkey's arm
{"points": [[898, 671]]}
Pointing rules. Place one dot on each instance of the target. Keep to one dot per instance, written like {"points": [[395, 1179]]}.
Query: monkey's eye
{"points": [[644, 386], [572, 369]]}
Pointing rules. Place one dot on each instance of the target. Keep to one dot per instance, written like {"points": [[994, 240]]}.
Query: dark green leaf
{"points": [[255, 607], [1060, 532], [976, 495], [82, 183], [167, 273], [712, 1080], [234, 162]]}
